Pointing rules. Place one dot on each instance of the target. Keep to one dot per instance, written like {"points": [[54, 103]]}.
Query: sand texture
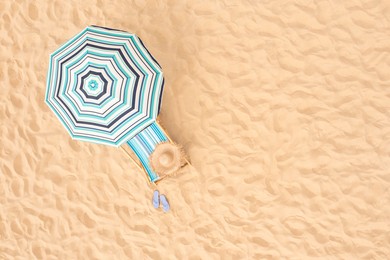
{"points": [[282, 106]]}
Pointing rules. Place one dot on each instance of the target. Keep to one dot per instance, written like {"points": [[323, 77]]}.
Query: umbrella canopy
{"points": [[104, 86]]}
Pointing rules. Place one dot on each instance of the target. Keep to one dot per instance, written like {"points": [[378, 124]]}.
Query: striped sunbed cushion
{"points": [[144, 143]]}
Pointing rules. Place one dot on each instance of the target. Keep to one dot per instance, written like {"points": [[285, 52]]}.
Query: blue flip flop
{"points": [[164, 203], [155, 200]]}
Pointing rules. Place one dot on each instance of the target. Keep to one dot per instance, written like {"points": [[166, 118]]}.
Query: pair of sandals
{"points": [[160, 199]]}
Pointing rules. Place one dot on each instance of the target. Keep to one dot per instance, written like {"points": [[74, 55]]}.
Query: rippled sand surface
{"points": [[283, 107]]}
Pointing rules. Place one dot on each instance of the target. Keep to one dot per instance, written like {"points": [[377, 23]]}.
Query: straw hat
{"points": [[167, 158]]}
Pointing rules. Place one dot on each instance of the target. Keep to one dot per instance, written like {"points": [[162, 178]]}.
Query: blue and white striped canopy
{"points": [[104, 86]]}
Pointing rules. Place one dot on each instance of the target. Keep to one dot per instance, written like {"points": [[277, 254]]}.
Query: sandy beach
{"points": [[282, 106]]}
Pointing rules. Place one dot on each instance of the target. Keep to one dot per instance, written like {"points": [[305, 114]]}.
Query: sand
{"points": [[282, 106]]}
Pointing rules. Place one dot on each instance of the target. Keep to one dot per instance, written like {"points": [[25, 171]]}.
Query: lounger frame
{"points": [[129, 152]]}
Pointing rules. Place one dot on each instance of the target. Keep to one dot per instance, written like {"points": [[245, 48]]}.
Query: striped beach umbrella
{"points": [[104, 86]]}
